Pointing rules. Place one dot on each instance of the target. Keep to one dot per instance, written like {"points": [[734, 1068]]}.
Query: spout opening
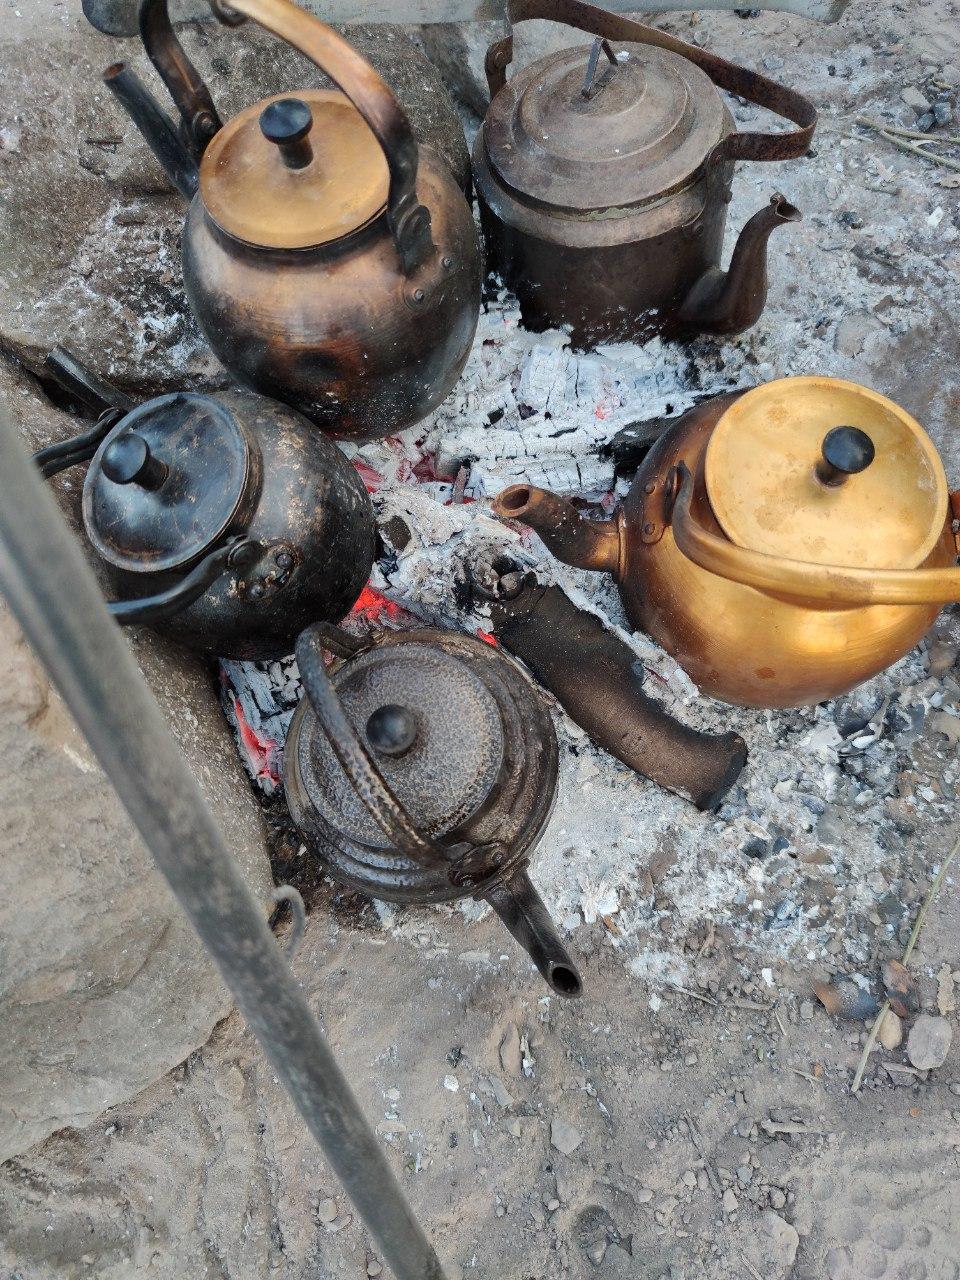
{"points": [[565, 981], [115, 69], [514, 501], [784, 210]]}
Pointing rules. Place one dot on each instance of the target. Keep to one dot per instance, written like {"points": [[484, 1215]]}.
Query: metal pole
{"points": [[55, 597]]}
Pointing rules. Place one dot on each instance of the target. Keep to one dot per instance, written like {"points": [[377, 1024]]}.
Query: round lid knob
{"points": [[846, 451], [764, 472], [128, 460], [392, 729], [286, 123], [573, 135], [166, 483]]}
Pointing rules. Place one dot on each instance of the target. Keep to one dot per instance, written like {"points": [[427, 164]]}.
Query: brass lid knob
{"points": [[845, 452], [286, 123]]}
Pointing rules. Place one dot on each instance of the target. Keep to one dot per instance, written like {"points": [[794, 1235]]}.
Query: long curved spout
{"points": [[522, 910], [585, 544], [733, 300]]}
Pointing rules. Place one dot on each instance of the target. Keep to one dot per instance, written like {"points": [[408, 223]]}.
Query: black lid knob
{"points": [[392, 729], [286, 123], [128, 460], [846, 452]]}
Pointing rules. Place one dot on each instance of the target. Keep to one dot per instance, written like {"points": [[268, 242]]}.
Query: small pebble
{"points": [[943, 113], [730, 1202], [807, 1010], [891, 1031], [644, 1195], [374, 1268], [327, 1210], [929, 1042]]}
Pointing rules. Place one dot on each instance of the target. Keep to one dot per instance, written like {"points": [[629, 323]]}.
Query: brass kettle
{"points": [[331, 263], [226, 521], [604, 175], [783, 544]]}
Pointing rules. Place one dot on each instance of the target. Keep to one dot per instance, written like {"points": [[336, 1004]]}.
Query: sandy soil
{"points": [[705, 1129]]}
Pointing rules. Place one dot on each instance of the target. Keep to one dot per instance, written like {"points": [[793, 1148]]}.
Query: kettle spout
{"points": [[521, 909], [153, 122], [585, 544], [733, 300]]}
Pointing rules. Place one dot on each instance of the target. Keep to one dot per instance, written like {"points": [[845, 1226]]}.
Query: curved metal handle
{"points": [[79, 448], [798, 581], [190, 95], [355, 760], [236, 555], [726, 75]]}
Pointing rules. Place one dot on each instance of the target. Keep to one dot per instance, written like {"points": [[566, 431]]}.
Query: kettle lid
{"points": [[166, 483], [580, 134], [828, 472], [294, 172], [432, 726]]}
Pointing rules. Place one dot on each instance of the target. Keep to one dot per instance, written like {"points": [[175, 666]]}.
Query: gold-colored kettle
{"points": [[783, 544]]}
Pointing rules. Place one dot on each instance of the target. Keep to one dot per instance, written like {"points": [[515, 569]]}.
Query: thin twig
{"points": [[914, 935], [880, 127], [915, 150], [694, 995], [805, 1074], [750, 1267]]}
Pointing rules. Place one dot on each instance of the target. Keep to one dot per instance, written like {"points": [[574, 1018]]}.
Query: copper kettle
{"points": [[226, 521], [423, 768], [331, 263], [783, 544], [604, 176]]}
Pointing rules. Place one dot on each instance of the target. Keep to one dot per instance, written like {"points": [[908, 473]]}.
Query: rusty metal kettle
{"points": [[331, 263], [226, 521], [423, 768], [783, 544], [604, 174]]}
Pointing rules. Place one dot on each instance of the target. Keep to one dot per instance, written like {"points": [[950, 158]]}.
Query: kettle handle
{"points": [[726, 75], [409, 220], [833, 586], [356, 762]]}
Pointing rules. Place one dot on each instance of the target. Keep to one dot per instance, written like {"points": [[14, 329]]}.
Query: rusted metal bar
{"points": [[55, 597], [119, 17]]}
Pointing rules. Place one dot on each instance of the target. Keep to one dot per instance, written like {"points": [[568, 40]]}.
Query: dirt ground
{"points": [[662, 1126]]}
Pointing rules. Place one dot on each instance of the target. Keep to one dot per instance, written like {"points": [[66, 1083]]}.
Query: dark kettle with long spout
{"points": [[604, 175], [228, 522], [423, 768]]}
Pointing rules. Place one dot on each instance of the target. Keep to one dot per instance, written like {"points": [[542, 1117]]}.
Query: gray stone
{"points": [[915, 99], [854, 330], [101, 270], [929, 1042], [730, 1202], [103, 984], [565, 1137], [942, 113]]}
